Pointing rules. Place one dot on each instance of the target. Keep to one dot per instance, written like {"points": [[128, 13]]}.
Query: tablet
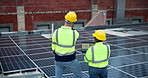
{"points": [[86, 45]]}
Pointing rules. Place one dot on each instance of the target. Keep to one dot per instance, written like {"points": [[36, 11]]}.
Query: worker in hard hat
{"points": [[64, 40], [97, 56]]}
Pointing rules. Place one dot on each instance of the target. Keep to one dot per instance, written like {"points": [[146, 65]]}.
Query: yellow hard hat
{"points": [[71, 16], [100, 35]]}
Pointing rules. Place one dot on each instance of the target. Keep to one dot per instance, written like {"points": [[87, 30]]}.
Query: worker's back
{"points": [[67, 37]]}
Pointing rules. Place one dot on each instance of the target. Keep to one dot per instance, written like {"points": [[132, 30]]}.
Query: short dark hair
{"points": [[68, 22], [96, 40]]}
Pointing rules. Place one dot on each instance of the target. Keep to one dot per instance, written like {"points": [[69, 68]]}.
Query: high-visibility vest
{"points": [[64, 40], [98, 55]]}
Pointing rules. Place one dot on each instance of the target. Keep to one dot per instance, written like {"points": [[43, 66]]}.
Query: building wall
{"points": [[54, 10], [42, 11], [137, 8], [133, 9]]}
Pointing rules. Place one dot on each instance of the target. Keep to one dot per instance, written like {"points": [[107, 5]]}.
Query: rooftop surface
{"points": [[129, 53]]}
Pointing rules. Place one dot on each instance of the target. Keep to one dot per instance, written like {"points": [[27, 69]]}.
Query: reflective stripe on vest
{"points": [[87, 59], [92, 49], [66, 46], [59, 54]]}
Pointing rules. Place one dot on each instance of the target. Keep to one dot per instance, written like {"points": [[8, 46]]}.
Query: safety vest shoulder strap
{"points": [[66, 46]]}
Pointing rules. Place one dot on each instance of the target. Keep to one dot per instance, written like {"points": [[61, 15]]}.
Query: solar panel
{"points": [[71, 75], [113, 73], [16, 63], [129, 55], [31, 47], [44, 62], [121, 61], [49, 71], [137, 70], [25, 43], [124, 52], [46, 45], [80, 57], [44, 42], [123, 41], [2, 45], [84, 66], [114, 47], [6, 42], [10, 51], [34, 51], [136, 44], [4, 39], [139, 58], [41, 56], [143, 49]]}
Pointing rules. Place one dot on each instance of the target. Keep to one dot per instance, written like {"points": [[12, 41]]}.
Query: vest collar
{"points": [[99, 43], [65, 27]]}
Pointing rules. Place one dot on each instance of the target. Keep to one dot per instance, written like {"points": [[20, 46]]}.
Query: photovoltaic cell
{"points": [[143, 28], [113, 47], [3, 45], [25, 43], [49, 49], [71, 75], [30, 47], [144, 38], [10, 51], [49, 71], [44, 42], [121, 61], [44, 62], [23, 40], [139, 58], [34, 51], [46, 45], [78, 46], [143, 49], [39, 39], [122, 52], [6, 42], [84, 66], [4, 38], [131, 45], [139, 36], [123, 41], [138, 70], [41, 56], [34, 36], [19, 37], [80, 57], [113, 73], [116, 38], [16, 63]]}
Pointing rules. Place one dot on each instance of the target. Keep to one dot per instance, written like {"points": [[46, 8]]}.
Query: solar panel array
{"points": [[129, 55]]}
